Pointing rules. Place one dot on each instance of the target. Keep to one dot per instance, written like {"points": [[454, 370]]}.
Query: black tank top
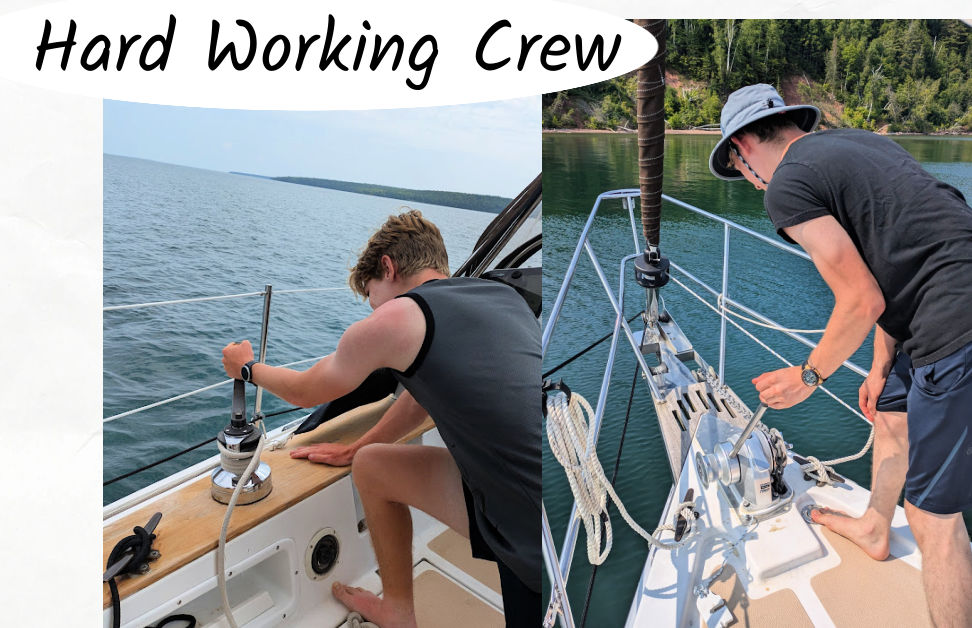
{"points": [[478, 376]]}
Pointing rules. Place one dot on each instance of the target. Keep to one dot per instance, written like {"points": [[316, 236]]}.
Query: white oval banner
{"points": [[316, 55]]}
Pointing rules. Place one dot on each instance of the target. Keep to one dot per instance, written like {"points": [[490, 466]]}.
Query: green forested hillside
{"points": [[893, 75]]}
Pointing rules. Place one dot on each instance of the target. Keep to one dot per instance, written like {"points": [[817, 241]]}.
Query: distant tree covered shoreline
{"points": [[476, 202], [886, 75]]}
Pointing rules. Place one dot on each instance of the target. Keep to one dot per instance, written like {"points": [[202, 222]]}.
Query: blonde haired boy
{"points": [[467, 352]]}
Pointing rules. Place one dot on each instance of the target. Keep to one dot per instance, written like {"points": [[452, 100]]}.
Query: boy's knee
{"points": [[935, 534], [366, 461]]}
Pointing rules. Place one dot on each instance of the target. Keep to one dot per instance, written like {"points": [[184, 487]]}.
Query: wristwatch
{"points": [[246, 373], [810, 375]]}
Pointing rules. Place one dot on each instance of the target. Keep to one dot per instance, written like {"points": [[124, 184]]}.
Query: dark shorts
{"points": [[521, 605], [938, 400]]}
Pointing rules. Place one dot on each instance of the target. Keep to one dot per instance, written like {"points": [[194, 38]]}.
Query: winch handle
{"points": [[238, 417], [748, 430]]}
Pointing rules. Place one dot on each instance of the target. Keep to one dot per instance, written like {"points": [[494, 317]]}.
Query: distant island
{"points": [[476, 202]]}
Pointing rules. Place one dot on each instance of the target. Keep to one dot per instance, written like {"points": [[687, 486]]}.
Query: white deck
{"points": [[781, 569]]}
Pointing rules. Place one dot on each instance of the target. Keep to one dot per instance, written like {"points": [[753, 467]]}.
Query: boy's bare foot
{"points": [[385, 613], [869, 532]]}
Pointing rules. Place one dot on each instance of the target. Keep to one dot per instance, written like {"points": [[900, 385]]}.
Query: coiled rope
{"points": [[567, 433], [139, 543], [614, 477]]}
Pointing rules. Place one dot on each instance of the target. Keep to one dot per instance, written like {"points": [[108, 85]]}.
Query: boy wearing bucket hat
{"points": [[894, 245]]}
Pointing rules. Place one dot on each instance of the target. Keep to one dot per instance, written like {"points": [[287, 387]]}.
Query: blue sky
{"points": [[483, 148]]}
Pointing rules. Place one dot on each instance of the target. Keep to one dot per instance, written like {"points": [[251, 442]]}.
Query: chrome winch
{"points": [[237, 445], [750, 471]]}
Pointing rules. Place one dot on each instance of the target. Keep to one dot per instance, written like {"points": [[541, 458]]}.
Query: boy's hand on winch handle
{"points": [[334, 454], [782, 388], [235, 355]]}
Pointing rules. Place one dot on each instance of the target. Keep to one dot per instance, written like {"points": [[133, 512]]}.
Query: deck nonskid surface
{"points": [[451, 588]]}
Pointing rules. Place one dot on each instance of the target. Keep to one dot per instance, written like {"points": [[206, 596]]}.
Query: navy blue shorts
{"points": [[938, 400]]}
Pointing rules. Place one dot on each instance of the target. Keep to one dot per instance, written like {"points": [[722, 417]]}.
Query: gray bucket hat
{"points": [[746, 105]]}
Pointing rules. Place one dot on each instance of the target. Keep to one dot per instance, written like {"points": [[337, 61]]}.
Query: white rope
{"points": [[194, 392], [113, 308], [567, 433], [283, 438], [355, 620], [813, 467], [236, 462], [820, 471], [221, 547]]}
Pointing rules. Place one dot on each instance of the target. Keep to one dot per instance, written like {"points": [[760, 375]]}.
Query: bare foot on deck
{"points": [[869, 532], [384, 613]]}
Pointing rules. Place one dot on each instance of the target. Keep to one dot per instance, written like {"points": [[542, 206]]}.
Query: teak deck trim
{"points": [[191, 519]]}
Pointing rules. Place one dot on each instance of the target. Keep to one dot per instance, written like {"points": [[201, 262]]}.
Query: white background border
{"points": [[51, 282]]}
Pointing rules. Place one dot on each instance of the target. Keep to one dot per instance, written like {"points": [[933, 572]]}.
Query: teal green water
{"points": [[576, 168]]}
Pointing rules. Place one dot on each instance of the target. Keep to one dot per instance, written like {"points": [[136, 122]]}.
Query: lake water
{"points": [[172, 232], [576, 168]]}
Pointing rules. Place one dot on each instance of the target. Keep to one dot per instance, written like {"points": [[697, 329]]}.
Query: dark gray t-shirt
{"points": [[913, 231], [478, 376]]}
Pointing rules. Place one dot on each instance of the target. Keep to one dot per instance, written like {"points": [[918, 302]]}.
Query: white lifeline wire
{"points": [[814, 465], [723, 307], [567, 433], [194, 392], [133, 306]]}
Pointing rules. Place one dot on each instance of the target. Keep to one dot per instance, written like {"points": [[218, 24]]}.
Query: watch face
{"points": [[245, 372], [809, 377]]}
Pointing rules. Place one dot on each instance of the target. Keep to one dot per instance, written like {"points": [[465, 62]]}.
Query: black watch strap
{"points": [[246, 373], [822, 378]]}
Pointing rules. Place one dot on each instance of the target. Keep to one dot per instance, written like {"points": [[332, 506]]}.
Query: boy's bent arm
{"points": [[858, 301], [403, 416], [884, 350], [873, 385], [390, 337]]}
